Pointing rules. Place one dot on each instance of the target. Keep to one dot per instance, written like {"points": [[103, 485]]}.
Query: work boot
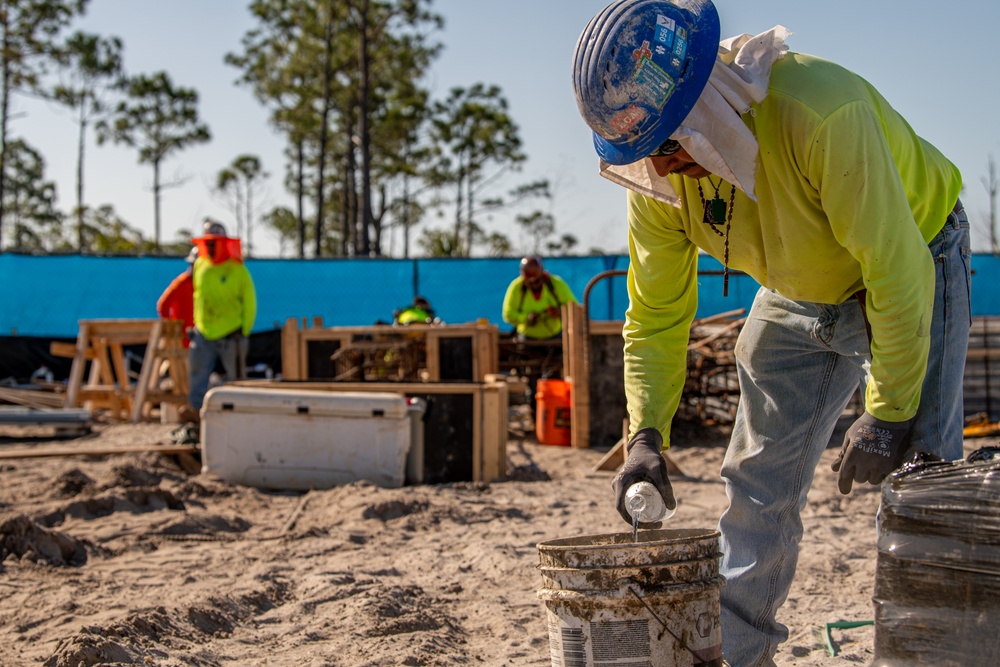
{"points": [[189, 434]]}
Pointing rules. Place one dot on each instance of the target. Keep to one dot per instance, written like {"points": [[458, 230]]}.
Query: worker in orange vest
{"points": [[177, 301]]}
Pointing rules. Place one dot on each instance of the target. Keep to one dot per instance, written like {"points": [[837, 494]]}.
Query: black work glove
{"points": [[644, 464], [872, 449]]}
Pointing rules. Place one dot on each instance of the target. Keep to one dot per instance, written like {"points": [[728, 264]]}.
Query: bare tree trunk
{"points": [[353, 219], [19, 230], [4, 112], [457, 250], [324, 128], [249, 222], [349, 243], [300, 189], [470, 187], [80, 240], [377, 224], [238, 208], [156, 204], [365, 131], [406, 217], [346, 231]]}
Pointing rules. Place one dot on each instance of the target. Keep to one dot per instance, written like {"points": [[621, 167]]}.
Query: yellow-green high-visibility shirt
{"points": [[224, 298], [519, 302], [848, 197]]}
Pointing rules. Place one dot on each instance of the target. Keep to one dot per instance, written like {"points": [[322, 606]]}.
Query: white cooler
{"points": [[302, 439]]}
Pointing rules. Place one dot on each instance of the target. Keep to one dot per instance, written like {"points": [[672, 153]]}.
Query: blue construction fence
{"points": [[46, 296]]}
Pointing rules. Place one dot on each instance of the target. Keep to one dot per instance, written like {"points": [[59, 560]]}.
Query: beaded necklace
{"points": [[715, 214]]}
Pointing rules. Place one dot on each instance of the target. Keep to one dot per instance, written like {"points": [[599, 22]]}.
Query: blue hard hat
{"points": [[639, 68]]}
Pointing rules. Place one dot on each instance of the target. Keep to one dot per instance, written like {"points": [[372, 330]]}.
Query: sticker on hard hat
{"points": [[681, 44], [653, 83], [642, 52], [665, 30], [627, 119]]}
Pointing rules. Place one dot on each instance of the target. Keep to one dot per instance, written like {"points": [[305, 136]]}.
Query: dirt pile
{"points": [[130, 559]]}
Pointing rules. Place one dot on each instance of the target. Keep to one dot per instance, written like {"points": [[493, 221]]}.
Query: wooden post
{"points": [[79, 364], [164, 351], [494, 424], [574, 370], [291, 362], [148, 372], [432, 353]]}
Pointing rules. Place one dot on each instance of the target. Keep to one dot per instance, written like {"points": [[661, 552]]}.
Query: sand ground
{"points": [[131, 560]]}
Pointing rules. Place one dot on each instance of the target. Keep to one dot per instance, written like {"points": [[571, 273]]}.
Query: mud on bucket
{"points": [[613, 601]]}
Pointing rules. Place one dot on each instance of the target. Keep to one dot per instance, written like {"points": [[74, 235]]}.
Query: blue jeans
{"points": [[202, 357], [799, 365]]}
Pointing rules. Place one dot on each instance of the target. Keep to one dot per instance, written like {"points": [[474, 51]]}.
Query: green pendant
{"points": [[716, 211]]}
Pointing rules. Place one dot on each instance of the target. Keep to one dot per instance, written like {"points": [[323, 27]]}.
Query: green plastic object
{"points": [[841, 625]]}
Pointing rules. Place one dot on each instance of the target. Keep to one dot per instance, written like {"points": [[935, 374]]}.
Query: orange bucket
{"points": [[552, 401]]}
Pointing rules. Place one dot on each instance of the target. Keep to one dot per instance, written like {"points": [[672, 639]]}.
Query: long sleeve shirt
{"points": [[848, 197], [224, 298], [519, 303]]}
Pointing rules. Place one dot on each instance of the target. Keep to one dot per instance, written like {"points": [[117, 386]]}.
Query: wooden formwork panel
{"points": [[460, 352]]}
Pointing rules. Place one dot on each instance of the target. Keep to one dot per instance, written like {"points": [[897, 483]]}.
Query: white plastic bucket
{"points": [[613, 601]]}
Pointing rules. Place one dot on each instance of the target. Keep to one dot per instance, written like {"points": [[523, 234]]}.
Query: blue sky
{"points": [[934, 62]]}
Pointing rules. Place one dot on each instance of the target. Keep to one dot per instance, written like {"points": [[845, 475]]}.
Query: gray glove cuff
{"points": [[647, 437], [877, 430], [869, 419]]}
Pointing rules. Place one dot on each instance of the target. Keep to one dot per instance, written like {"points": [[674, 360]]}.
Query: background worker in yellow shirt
{"points": [[533, 302], [225, 306]]}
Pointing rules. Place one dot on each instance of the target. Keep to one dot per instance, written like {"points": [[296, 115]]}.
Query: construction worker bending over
{"points": [[798, 172], [533, 302]]}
